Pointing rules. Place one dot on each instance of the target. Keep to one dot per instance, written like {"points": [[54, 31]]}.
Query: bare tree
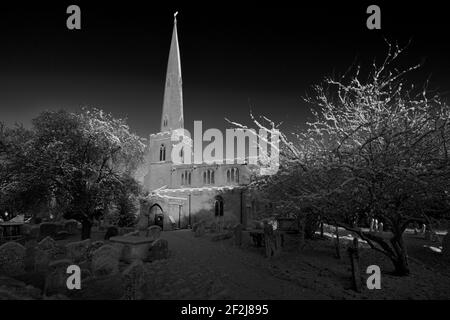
{"points": [[377, 147]]}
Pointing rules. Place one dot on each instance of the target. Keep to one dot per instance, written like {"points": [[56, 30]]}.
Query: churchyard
{"points": [[212, 261]]}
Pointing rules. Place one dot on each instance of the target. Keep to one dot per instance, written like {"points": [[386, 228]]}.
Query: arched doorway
{"points": [[157, 215], [218, 206]]}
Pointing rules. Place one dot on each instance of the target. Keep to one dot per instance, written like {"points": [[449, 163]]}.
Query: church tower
{"points": [[172, 113], [160, 166]]}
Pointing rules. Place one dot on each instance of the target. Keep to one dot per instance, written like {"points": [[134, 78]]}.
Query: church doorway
{"points": [[218, 206], [157, 214]]}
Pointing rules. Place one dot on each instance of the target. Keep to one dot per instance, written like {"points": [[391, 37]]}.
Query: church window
{"points": [[208, 177], [165, 121], [162, 153], [186, 178], [233, 175]]}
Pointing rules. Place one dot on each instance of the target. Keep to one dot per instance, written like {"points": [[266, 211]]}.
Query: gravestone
{"points": [[78, 251], [12, 259], [158, 250], [237, 230], [105, 261], [132, 248], [380, 227], [47, 244], [56, 280], [154, 232], [134, 281], [372, 224]]}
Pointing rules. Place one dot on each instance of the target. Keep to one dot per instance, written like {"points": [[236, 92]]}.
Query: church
{"points": [[183, 194]]}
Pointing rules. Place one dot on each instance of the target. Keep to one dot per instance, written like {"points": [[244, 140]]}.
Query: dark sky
{"points": [[235, 54]]}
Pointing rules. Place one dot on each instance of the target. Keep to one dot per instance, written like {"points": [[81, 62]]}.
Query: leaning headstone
{"points": [[56, 280], [78, 251], [105, 261], [446, 245], [12, 259], [134, 281], [237, 231], [158, 250], [111, 232], [154, 232]]}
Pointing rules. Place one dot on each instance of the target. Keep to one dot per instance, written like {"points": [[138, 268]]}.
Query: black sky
{"points": [[235, 54]]}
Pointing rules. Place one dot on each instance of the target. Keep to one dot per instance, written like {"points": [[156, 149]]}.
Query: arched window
{"points": [[186, 178], [233, 175], [162, 153], [165, 121], [208, 177], [218, 206]]}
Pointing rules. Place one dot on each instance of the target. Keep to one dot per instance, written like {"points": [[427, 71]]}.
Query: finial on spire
{"points": [[175, 16]]}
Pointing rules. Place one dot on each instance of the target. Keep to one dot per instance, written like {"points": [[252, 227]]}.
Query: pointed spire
{"points": [[172, 116]]}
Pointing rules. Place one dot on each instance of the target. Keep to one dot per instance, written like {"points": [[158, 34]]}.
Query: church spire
{"points": [[172, 115]]}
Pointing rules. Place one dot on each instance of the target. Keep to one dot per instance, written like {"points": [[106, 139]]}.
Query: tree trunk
{"points": [[86, 226], [401, 259]]}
